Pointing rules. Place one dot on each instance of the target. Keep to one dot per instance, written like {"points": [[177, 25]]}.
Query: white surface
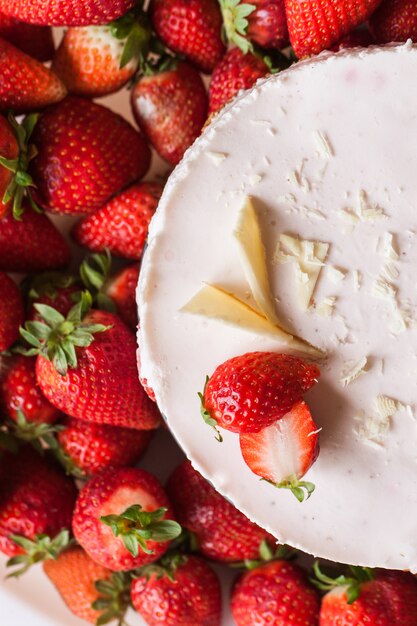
{"points": [[365, 104]]}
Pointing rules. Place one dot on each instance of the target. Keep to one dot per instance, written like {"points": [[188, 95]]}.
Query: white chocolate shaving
{"points": [[216, 157], [353, 371], [323, 145]]}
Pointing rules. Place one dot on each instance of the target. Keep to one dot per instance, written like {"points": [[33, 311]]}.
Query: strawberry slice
{"points": [[282, 453]]}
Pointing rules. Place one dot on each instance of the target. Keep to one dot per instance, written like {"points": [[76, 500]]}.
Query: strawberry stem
{"points": [[40, 549], [136, 527], [210, 421], [301, 489], [19, 186], [352, 583], [235, 24], [114, 598], [56, 337]]}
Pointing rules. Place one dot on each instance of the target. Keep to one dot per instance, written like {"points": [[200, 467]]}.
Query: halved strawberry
{"points": [[283, 452]]}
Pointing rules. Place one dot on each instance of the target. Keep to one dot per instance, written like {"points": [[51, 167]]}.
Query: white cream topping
{"points": [[363, 105]]}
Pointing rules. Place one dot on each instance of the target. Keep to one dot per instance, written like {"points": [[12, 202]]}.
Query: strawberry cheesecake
{"points": [[290, 226]]}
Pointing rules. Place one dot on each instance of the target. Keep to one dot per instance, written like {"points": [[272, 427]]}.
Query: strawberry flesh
{"points": [[284, 450]]}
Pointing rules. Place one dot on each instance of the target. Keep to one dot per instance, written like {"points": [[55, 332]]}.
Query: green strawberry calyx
{"points": [[40, 549], [40, 434], [57, 337], [94, 272], [358, 576], [235, 23], [136, 527], [167, 565], [209, 420], [135, 30], [21, 183], [267, 554], [301, 489], [114, 598]]}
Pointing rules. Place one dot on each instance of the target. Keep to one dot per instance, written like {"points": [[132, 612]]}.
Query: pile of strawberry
{"points": [[74, 422]]}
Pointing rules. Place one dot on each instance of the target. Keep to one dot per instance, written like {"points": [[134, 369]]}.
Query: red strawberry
{"points": [[317, 24], [81, 583], [35, 498], [223, 533], [358, 38], [86, 153], [36, 41], [97, 60], [9, 151], [11, 311], [260, 21], [32, 244], [20, 393], [171, 108], [123, 519], [66, 12], [251, 391], [122, 290], [235, 71], [181, 592], [283, 452], [86, 367], [192, 28], [121, 225], [394, 20], [26, 84], [95, 447], [277, 594], [380, 598], [268, 24]]}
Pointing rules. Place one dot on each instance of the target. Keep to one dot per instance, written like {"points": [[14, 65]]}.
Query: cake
{"points": [[325, 153]]}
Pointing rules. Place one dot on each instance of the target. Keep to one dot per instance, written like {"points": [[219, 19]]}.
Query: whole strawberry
{"points": [[177, 591], [92, 448], [222, 532], [171, 108], [9, 151], [121, 288], [251, 391], [36, 41], [11, 311], [36, 498], [192, 28], [377, 598], [66, 12], [123, 519], [259, 21], [358, 38], [26, 84], [97, 60], [394, 20], [283, 452], [121, 225], [82, 583], [19, 393], [31, 244], [86, 366], [277, 594], [85, 154], [234, 72], [317, 25]]}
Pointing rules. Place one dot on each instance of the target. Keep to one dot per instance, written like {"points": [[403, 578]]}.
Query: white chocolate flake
{"points": [[352, 371], [323, 145], [216, 157], [334, 274]]}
